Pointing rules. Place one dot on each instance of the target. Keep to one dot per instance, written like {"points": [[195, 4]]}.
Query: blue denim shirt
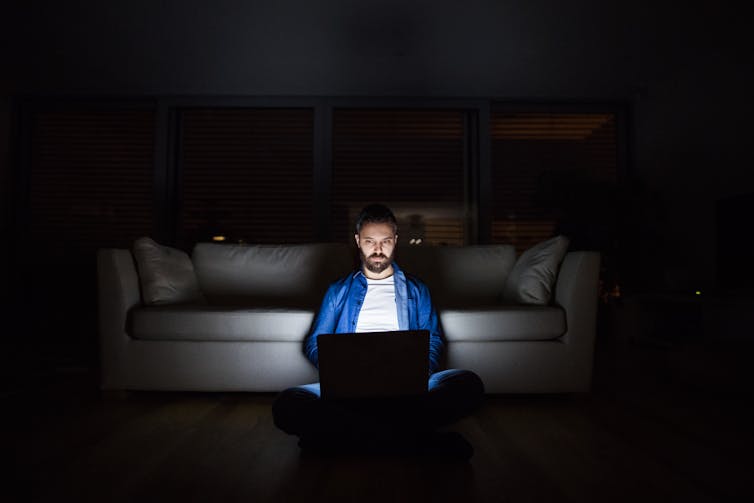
{"points": [[342, 303]]}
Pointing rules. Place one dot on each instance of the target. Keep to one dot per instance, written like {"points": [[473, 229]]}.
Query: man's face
{"points": [[376, 242]]}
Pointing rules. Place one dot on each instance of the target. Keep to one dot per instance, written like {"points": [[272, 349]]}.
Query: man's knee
{"points": [[288, 409], [473, 383], [457, 381], [458, 389]]}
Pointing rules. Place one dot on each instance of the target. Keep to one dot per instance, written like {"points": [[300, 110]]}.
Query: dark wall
{"points": [[684, 72]]}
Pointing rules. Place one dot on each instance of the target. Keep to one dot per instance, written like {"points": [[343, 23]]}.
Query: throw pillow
{"points": [[166, 275], [533, 276]]}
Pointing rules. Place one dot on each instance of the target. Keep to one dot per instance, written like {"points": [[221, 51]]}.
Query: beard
{"points": [[376, 267]]}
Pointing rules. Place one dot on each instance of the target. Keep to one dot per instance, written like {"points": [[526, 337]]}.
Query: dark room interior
{"points": [[622, 125]]}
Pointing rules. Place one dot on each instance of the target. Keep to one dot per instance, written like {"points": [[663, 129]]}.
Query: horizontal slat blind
{"points": [[409, 159], [247, 174], [532, 154], [523, 233], [91, 178]]}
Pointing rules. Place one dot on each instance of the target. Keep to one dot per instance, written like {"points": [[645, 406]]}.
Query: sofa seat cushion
{"points": [[504, 323], [207, 323]]}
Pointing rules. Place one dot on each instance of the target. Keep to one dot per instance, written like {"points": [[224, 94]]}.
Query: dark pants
{"points": [[452, 394]]}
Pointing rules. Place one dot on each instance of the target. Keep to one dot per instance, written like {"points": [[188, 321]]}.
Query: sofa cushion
{"points": [[268, 274], [504, 323], [533, 276], [210, 323], [460, 276], [166, 275]]}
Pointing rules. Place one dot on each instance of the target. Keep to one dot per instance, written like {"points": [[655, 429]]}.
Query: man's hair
{"points": [[376, 214]]}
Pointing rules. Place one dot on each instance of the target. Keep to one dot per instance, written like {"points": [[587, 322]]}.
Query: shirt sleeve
{"points": [[428, 320], [324, 323]]}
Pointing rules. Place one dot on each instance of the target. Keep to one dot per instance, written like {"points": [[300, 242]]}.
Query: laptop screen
{"points": [[373, 364]]}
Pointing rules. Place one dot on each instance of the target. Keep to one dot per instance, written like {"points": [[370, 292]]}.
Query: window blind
{"points": [[247, 175], [410, 159], [91, 176], [546, 167]]}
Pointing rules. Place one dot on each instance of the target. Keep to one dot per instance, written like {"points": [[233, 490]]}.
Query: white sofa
{"points": [[261, 300]]}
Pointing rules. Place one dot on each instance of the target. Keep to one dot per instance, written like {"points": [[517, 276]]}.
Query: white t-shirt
{"points": [[379, 312]]}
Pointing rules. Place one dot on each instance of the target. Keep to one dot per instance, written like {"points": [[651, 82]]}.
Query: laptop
{"points": [[373, 364]]}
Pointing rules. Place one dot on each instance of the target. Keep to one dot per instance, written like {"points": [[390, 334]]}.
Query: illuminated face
{"points": [[376, 242]]}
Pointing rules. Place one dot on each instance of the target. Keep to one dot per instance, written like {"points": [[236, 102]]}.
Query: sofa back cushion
{"points": [[460, 276], [533, 277], [279, 275], [166, 275]]}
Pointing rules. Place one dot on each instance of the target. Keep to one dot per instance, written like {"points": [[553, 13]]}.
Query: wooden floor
{"points": [[662, 424]]}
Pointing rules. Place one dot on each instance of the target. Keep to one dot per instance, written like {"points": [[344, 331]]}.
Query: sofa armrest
{"points": [[118, 292], [576, 291]]}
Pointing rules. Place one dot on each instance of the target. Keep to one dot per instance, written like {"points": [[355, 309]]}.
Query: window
{"points": [[551, 172], [90, 179], [409, 159], [246, 175], [269, 171]]}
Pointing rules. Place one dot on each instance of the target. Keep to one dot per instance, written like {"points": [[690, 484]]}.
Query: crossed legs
{"points": [[452, 394]]}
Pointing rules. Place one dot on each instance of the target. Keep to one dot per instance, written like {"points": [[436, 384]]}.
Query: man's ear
{"points": [[356, 237]]}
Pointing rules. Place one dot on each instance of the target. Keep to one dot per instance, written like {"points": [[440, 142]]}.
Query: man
{"points": [[380, 297]]}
